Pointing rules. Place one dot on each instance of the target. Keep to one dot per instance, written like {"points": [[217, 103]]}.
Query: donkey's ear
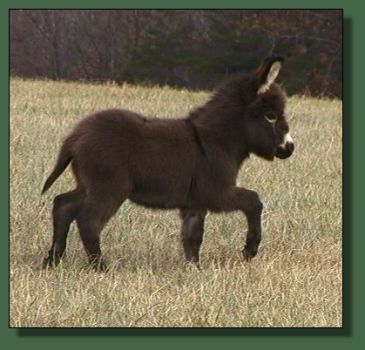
{"points": [[267, 73]]}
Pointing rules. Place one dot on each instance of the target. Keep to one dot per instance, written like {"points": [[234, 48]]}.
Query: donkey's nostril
{"points": [[290, 147], [285, 151]]}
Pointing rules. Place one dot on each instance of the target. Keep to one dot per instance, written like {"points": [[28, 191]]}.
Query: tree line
{"points": [[184, 48]]}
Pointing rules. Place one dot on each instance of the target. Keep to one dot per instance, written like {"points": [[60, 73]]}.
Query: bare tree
{"points": [[195, 48]]}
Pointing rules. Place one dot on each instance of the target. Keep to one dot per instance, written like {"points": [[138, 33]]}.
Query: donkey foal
{"points": [[190, 164]]}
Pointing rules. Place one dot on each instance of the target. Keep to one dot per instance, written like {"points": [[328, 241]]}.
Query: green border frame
{"points": [[351, 336]]}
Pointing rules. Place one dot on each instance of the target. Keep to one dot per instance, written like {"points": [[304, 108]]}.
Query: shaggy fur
{"points": [[190, 164]]}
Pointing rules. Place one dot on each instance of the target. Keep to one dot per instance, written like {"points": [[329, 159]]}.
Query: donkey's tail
{"points": [[64, 159]]}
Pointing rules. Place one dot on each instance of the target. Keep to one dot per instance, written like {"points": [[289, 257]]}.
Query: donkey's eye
{"points": [[270, 117]]}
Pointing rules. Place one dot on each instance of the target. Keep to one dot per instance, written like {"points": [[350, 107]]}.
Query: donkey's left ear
{"points": [[267, 73]]}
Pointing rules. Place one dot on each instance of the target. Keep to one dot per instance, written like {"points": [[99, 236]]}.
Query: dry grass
{"points": [[295, 281]]}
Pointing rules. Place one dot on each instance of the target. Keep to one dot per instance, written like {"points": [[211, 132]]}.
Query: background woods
{"points": [[190, 48]]}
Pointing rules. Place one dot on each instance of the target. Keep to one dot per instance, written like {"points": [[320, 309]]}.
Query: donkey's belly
{"points": [[158, 201], [163, 189]]}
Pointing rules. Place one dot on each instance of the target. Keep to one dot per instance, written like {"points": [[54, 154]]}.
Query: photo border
{"points": [[350, 335]]}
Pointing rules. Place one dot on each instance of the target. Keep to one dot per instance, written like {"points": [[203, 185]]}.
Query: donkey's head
{"points": [[266, 125]]}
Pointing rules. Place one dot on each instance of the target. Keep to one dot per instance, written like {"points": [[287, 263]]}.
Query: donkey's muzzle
{"points": [[284, 151]]}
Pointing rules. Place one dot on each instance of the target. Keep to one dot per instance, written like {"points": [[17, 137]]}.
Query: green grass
{"points": [[295, 281]]}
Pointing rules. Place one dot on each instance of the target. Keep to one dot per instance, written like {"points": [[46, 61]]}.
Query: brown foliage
{"points": [[193, 48]]}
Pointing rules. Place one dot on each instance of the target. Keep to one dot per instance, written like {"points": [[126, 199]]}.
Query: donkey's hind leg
{"points": [[93, 216], [192, 232], [65, 208]]}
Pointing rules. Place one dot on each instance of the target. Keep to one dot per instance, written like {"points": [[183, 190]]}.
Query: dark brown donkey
{"points": [[190, 164]]}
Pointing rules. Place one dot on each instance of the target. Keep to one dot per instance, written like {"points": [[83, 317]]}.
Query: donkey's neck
{"points": [[221, 125]]}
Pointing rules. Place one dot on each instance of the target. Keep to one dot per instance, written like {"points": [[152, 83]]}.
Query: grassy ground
{"points": [[295, 281]]}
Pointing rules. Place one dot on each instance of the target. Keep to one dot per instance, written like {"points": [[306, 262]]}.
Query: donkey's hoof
{"points": [[46, 263], [192, 265], [249, 253], [50, 262], [100, 266]]}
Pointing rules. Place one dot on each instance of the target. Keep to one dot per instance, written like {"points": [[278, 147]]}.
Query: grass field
{"points": [[295, 281]]}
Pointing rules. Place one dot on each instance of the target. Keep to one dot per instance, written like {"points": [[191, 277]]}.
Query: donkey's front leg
{"points": [[253, 239], [249, 202]]}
